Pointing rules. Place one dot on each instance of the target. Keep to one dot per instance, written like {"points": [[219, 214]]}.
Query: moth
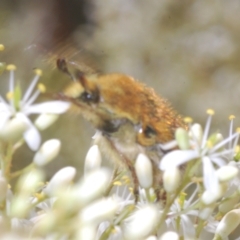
{"points": [[129, 116]]}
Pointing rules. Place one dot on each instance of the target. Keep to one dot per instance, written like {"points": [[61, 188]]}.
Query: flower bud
{"points": [[151, 238], [228, 204], [169, 236], [47, 222], [93, 185], [99, 211], [13, 129], [228, 223], [182, 137], [47, 152], [210, 197], [196, 132], [20, 206], [226, 173], [29, 182], [136, 226], [93, 159], [87, 232], [45, 120], [171, 179], [60, 180], [144, 171], [205, 213]]}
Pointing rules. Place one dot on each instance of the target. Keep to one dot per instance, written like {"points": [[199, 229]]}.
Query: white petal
{"points": [[224, 142], [30, 88], [4, 118], [188, 227], [218, 161], [210, 178], [176, 158], [209, 197], [48, 107], [32, 137]]}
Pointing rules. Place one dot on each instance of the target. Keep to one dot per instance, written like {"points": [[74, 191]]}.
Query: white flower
{"points": [[183, 209], [208, 149], [22, 107]]}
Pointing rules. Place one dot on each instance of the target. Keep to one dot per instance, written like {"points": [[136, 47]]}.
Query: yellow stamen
{"points": [[38, 72], [117, 183], [11, 67], [130, 190], [9, 95], [124, 177], [210, 111], [2, 47], [39, 196], [237, 149], [231, 117], [41, 88], [188, 120], [209, 144], [182, 198], [127, 181], [238, 130]]}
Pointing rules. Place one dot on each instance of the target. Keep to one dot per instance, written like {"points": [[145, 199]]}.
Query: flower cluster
{"points": [[200, 182]]}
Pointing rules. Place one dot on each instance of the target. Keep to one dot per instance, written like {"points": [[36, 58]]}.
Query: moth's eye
{"points": [[146, 136], [89, 97], [149, 132]]}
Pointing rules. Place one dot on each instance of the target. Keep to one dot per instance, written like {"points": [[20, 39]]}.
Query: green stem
{"points": [[108, 190], [19, 172], [199, 228], [217, 237], [107, 233], [8, 161]]}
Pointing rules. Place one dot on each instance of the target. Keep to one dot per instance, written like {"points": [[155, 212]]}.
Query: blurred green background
{"points": [[188, 51]]}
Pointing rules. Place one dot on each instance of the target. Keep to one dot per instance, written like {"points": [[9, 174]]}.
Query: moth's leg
{"points": [[108, 149]]}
